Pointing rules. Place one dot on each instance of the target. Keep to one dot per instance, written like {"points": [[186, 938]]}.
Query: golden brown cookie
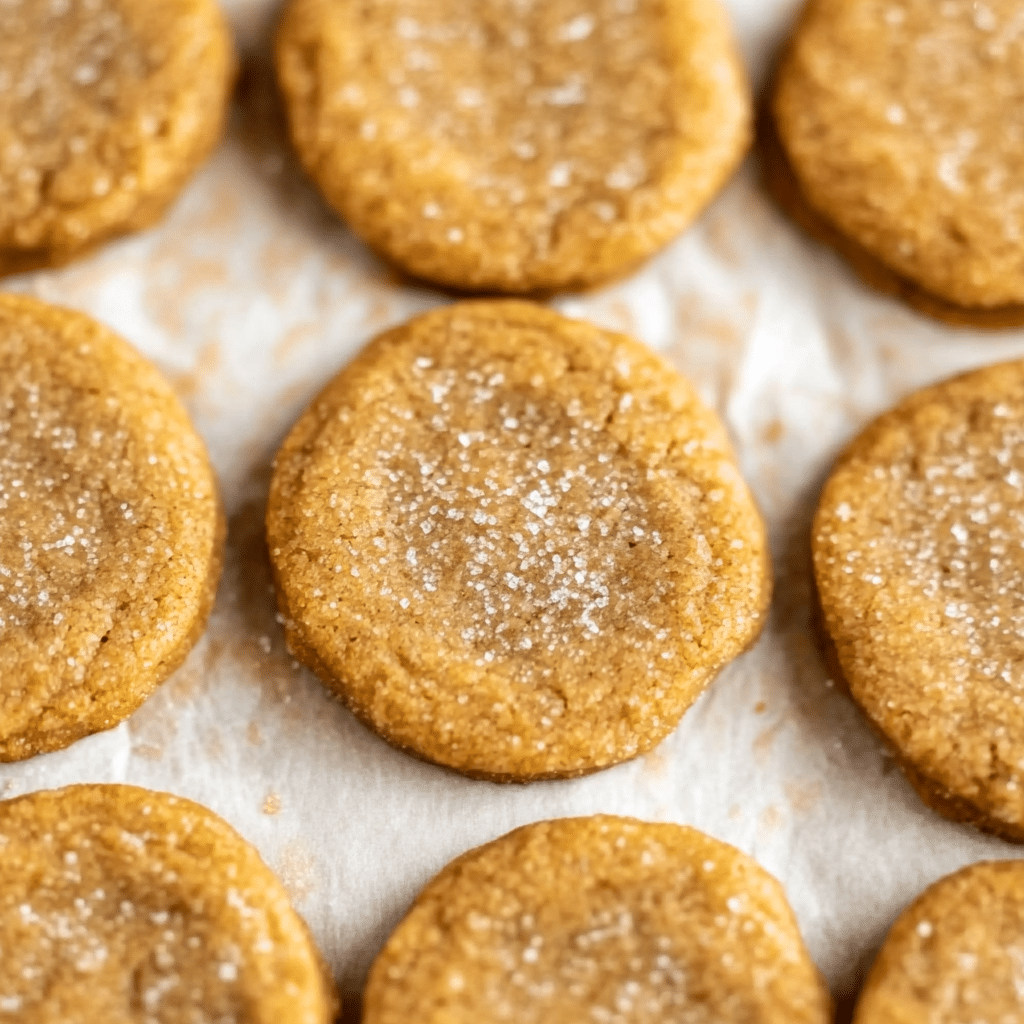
{"points": [[111, 534], [514, 544], [955, 954], [919, 565], [603, 920], [898, 143], [491, 145], [106, 109], [123, 906]]}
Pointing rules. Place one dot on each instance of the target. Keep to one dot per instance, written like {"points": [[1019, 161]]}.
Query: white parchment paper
{"points": [[252, 294]]}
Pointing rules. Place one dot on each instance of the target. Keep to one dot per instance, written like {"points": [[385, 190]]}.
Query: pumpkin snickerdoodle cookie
{"points": [[599, 919], [491, 145], [106, 109], [919, 566], [514, 544], [111, 533], [955, 954], [895, 135], [121, 904]]}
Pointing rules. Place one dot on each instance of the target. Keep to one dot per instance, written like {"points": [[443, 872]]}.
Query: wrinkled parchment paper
{"points": [[252, 294]]}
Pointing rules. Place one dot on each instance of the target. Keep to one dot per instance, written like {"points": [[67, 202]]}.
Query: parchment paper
{"points": [[252, 294]]}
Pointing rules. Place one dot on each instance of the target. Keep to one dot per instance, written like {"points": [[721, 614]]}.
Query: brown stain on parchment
{"points": [[294, 338], [720, 236], [765, 739], [709, 344], [656, 763], [182, 263], [297, 868], [191, 383], [271, 803], [803, 797], [213, 743]]}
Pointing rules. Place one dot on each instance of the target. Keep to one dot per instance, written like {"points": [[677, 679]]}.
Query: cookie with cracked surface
{"points": [[954, 954], [919, 568], [121, 904], [513, 543], [892, 137], [111, 533], [599, 919], [106, 109], [491, 145]]}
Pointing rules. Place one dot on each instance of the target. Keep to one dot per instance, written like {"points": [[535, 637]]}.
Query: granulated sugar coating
{"points": [[106, 108], [515, 544], [919, 564], [599, 920], [111, 533], [955, 955], [901, 120], [514, 145], [122, 905]]}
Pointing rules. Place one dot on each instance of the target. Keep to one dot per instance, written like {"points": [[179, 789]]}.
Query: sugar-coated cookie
{"points": [[919, 566], [492, 145], [111, 532], [601, 919], [106, 109], [514, 544], [894, 134], [955, 954], [118, 904]]}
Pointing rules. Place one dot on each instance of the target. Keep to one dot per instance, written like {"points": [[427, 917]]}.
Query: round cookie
{"points": [[919, 568], [898, 142], [514, 544], [599, 919], [955, 954], [508, 147], [121, 904], [106, 109], [111, 533]]}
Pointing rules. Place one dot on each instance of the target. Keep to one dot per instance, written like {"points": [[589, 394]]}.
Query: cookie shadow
{"points": [[352, 1010]]}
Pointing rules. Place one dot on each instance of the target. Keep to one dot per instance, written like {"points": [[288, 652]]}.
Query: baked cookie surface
{"points": [[111, 533], [900, 122], [955, 954], [491, 145], [919, 566], [119, 905], [106, 109], [515, 544], [598, 919]]}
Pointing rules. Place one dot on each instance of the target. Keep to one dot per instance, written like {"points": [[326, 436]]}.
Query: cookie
{"points": [[106, 109], [955, 954], [598, 919], [491, 145], [892, 135], [121, 904], [514, 544], [111, 533], [919, 569]]}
